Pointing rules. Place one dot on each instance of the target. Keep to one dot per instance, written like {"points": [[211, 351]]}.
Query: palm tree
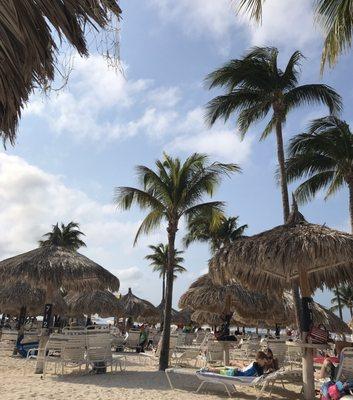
{"points": [[175, 190], [65, 236], [200, 229], [255, 87], [337, 300], [335, 18], [31, 34], [323, 155], [159, 262], [343, 294]]}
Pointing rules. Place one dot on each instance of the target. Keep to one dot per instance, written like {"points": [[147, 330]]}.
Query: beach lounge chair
{"points": [[214, 352], [99, 354], [232, 382], [132, 340], [74, 353], [53, 351], [8, 340], [345, 368]]}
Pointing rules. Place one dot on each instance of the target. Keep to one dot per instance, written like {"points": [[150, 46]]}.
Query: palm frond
{"points": [[151, 222], [314, 93], [251, 7], [31, 34], [335, 17], [308, 189]]}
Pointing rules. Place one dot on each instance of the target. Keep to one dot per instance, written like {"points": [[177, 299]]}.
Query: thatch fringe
{"points": [[270, 261], [101, 302], [58, 267], [133, 306]]}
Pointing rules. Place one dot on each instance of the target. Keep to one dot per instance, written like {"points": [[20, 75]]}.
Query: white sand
{"points": [[139, 382]]}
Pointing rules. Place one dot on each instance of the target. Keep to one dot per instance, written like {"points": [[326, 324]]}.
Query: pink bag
{"points": [[334, 393]]}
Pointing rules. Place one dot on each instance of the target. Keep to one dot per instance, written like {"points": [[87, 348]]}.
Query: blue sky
{"points": [[75, 145]]}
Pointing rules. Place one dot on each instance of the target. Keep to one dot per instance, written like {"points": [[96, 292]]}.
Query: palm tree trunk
{"points": [[163, 300], [285, 205], [350, 188], [164, 356], [339, 302], [163, 288], [282, 170]]}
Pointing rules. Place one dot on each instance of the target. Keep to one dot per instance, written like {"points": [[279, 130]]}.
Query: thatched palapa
{"points": [[133, 306], [28, 51], [209, 318], [309, 254], [271, 260], [204, 295], [57, 267], [101, 302], [19, 295], [283, 314]]}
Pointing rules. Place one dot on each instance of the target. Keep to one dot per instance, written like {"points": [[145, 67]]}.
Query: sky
{"points": [[75, 145]]}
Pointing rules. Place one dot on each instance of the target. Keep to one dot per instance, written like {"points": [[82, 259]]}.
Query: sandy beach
{"points": [[139, 382]]}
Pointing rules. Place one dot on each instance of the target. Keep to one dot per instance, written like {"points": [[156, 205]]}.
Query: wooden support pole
{"points": [[45, 332], [307, 359]]}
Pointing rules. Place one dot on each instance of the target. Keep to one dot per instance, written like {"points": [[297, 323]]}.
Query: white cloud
{"points": [[198, 17], [164, 96], [285, 23], [223, 144], [101, 104]]}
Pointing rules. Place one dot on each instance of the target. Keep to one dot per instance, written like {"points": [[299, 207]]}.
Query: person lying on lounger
{"points": [[256, 368]]}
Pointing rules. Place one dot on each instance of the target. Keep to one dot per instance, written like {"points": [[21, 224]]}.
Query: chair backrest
{"points": [[133, 339], [214, 351], [173, 341], [345, 369], [97, 329], [74, 349], [200, 336], [9, 335], [250, 346], [56, 342], [99, 353]]}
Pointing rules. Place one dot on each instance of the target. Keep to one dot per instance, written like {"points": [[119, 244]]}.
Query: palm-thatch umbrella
{"points": [[206, 317], [21, 298], [204, 294], [134, 307], [31, 31], [296, 251], [101, 302], [283, 314], [54, 267], [184, 316]]}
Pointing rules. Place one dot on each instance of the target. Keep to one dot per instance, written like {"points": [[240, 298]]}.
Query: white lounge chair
{"points": [[232, 382]]}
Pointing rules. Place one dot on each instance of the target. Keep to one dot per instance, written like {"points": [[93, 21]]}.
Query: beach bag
{"points": [[318, 335]]}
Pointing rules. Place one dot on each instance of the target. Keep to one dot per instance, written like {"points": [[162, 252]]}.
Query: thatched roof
{"points": [[101, 302], [203, 294], [13, 297], [133, 306], [213, 319], [283, 313], [270, 261], [31, 32], [58, 267], [184, 316]]}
